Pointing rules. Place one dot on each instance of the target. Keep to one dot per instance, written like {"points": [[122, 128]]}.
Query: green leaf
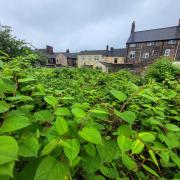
{"points": [[49, 147], [128, 162], [153, 157], [175, 158], [27, 79], [61, 125], [91, 134], [128, 116], [109, 172], [119, 95], [151, 171], [51, 169], [124, 143], [29, 147], [14, 121], [43, 116], [147, 136], [7, 169], [62, 112], [8, 149], [172, 127], [90, 149], [137, 147], [19, 98], [107, 151], [78, 112], [99, 114], [51, 100], [1, 64], [125, 130], [3, 107], [74, 149]]}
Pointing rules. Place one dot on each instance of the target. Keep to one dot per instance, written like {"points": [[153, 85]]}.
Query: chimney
{"points": [[112, 48], [179, 23], [49, 49], [67, 51], [133, 27], [107, 48]]}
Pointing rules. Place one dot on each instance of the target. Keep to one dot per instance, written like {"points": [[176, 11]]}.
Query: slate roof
{"points": [[113, 53], [70, 55], [169, 33]]}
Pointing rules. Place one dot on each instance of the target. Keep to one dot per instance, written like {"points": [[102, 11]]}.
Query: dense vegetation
{"points": [[84, 124]]}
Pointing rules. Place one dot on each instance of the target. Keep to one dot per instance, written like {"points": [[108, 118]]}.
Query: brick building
{"points": [[145, 46]]}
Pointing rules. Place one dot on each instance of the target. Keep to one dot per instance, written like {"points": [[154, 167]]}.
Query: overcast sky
{"points": [[84, 24]]}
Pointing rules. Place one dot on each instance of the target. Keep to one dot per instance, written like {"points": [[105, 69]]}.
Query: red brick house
{"points": [[145, 46]]}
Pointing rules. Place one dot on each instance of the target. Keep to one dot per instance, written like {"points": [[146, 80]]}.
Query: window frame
{"points": [[132, 54], [144, 55], [152, 43], [172, 41], [165, 52]]}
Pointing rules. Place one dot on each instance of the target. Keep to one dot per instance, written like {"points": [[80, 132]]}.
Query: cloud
{"points": [[84, 24]]}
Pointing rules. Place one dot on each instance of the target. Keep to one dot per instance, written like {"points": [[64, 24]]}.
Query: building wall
{"points": [[61, 60], [100, 66], [108, 59], [90, 60], [154, 51]]}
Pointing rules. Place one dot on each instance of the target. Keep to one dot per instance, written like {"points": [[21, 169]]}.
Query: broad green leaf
{"points": [[7, 169], [175, 158], [14, 121], [19, 98], [62, 112], [90, 149], [172, 127], [125, 130], [78, 112], [51, 169], [119, 95], [147, 136], [27, 79], [72, 152], [91, 134], [151, 171], [8, 149], [51, 100], [129, 162], [49, 147], [107, 151], [165, 156], [29, 147], [137, 147], [124, 143], [99, 114], [43, 116], [109, 172], [153, 157], [61, 125], [1, 64], [128, 116], [3, 107]]}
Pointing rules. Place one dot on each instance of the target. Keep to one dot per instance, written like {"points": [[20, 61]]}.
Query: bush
{"points": [[161, 69]]}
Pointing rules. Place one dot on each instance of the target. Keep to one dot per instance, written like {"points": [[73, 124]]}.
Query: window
{"points": [[150, 43], [132, 54], [172, 42], [145, 55], [167, 52], [115, 60], [132, 45], [96, 58]]}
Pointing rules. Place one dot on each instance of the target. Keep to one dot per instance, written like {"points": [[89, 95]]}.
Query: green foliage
{"points": [[84, 124]]}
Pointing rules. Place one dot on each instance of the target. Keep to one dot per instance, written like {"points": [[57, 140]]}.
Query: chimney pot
{"points": [[67, 51], [49, 49], [133, 27], [112, 48], [107, 48]]}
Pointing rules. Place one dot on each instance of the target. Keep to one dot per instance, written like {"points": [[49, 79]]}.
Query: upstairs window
{"points": [[96, 58], [132, 45], [150, 43], [132, 54], [172, 42], [115, 60], [167, 52], [145, 55]]}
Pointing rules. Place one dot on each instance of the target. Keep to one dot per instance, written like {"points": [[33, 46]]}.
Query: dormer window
{"points": [[132, 45], [172, 42], [150, 43]]}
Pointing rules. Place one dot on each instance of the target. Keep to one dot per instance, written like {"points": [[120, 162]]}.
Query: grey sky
{"points": [[84, 24]]}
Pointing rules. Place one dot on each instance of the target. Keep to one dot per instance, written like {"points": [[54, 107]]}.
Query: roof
{"points": [[70, 55], [113, 53], [169, 33]]}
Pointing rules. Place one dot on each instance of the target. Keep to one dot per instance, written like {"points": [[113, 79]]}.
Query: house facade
{"points": [[145, 46], [66, 59]]}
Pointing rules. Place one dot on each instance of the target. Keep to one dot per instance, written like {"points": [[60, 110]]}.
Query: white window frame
{"points": [[167, 52], [132, 45], [172, 42], [145, 55], [132, 54], [150, 43]]}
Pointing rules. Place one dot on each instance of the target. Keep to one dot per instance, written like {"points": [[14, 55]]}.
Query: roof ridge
{"points": [[156, 29]]}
